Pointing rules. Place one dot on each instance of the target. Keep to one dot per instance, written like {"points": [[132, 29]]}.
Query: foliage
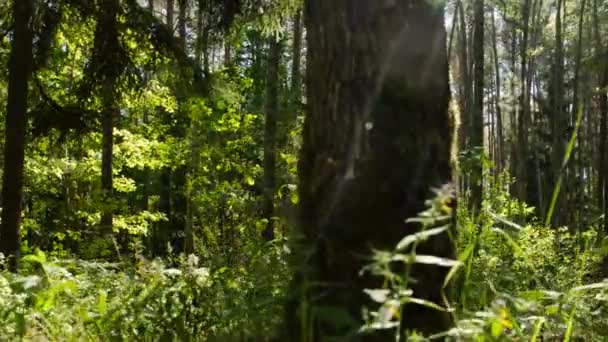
{"points": [[62, 299], [511, 282]]}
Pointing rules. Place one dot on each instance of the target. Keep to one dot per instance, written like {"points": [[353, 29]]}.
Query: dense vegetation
{"points": [[286, 170]]}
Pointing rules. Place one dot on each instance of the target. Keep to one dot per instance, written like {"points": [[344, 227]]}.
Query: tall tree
{"points": [[20, 70], [107, 54], [376, 139], [182, 22], [270, 135], [296, 78], [477, 122], [559, 120], [498, 109], [602, 184], [170, 12]]}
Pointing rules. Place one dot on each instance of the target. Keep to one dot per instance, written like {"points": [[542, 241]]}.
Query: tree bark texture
{"points": [[376, 139]]}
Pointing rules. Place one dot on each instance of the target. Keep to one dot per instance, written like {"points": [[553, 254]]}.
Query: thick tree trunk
{"points": [[20, 70], [270, 136], [377, 138], [477, 122]]}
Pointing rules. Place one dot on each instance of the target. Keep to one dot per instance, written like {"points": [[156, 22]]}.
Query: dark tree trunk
{"points": [[377, 138], [270, 136], [170, 13], [182, 18], [602, 186], [477, 122], [296, 78], [560, 120], [106, 48], [499, 127], [524, 113], [20, 70]]}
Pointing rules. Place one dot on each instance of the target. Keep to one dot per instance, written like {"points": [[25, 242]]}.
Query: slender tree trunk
{"points": [[499, 127], [467, 92], [524, 115], [296, 78], [559, 122], [477, 128], [270, 136], [604, 143], [182, 18], [578, 188], [227, 51], [513, 112], [20, 69], [198, 50], [170, 13], [377, 138], [106, 45], [602, 185]]}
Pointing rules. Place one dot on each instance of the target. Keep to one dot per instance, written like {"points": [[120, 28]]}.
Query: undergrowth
{"points": [[514, 280]]}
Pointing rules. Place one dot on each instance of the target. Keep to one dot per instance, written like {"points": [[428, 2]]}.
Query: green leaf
{"points": [[102, 306], [420, 236]]}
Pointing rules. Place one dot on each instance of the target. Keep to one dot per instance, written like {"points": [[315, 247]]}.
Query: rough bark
{"points": [[376, 139], [20, 70]]}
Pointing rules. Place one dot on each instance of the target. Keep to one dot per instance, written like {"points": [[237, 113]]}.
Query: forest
{"points": [[304, 170]]}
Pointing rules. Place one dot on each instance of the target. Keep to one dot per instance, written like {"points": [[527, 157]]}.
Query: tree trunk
{"points": [[377, 138], [602, 185], [270, 136], [466, 96], [170, 13], [499, 131], [107, 45], [559, 122], [296, 78], [182, 18], [524, 115], [20, 70], [578, 188], [477, 122]]}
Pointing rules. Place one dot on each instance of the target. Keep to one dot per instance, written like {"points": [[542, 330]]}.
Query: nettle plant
{"points": [[397, 290], [510, 282]]}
